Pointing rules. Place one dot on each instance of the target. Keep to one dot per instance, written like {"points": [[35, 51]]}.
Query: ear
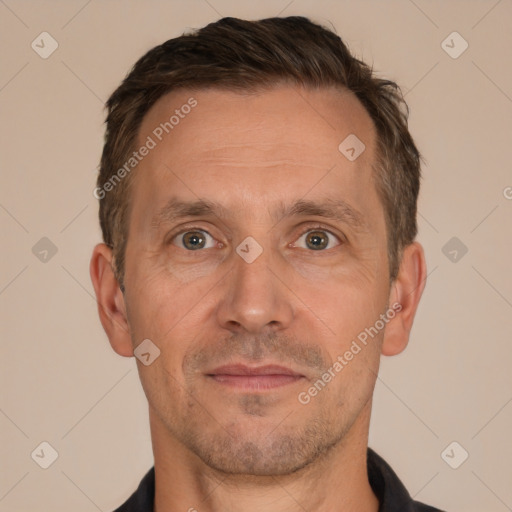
{"points": [[110, 299], [406, 290]]}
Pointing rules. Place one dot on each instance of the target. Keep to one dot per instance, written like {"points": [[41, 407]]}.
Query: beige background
{"points": [[60, 380]]}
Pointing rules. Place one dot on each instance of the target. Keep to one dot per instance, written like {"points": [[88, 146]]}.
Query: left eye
{"points": [[317, 240], [194, 240]]}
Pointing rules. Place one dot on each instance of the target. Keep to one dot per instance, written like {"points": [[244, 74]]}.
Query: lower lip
{"points": [[255, 382]]}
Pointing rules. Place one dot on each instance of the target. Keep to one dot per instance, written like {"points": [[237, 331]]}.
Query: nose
{"points": [[254, 299]]}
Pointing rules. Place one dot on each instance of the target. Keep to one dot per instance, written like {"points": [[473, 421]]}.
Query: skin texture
{"points": [[220, 448]]}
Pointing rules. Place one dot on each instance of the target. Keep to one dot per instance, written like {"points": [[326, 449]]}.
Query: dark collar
{"points": [[386, 485]]}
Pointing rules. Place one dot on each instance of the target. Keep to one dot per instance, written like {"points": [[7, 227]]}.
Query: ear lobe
{"points": [[406, 290], [110, 299]]}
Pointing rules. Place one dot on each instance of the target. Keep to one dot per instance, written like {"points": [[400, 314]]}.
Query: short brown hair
{"points": [[240, 55]]}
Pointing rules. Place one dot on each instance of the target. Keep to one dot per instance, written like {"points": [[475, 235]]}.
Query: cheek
{"points": [[356, 269], [165, 288], [181, 275], [155, 313], [166, 267], [154, 308], [168, 312], [346, 299], [164, 389]]}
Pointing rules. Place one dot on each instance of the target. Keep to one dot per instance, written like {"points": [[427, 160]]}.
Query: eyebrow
{"points": [[175, 210], [329, 208]]}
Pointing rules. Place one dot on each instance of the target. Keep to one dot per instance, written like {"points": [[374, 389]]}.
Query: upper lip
{"points": [[242, 369]]}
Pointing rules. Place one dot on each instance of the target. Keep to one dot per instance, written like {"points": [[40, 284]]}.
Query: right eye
{"points": [[193, 240]]}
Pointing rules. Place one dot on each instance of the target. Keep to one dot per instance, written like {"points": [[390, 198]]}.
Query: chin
{"points": [[253, 453]]}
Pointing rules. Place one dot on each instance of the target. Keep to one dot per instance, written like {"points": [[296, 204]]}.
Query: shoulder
{"points": [[142, 500], [388, 488], [421, 507]]}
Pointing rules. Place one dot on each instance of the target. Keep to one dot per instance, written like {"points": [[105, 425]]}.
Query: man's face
{"points": [[225, 317]]}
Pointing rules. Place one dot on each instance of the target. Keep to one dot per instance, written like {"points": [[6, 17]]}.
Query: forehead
{"points": [[242, 148], [263, 121]]}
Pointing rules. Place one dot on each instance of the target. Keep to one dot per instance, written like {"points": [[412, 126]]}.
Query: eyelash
{"points": [[317, 227], [188, 230]]}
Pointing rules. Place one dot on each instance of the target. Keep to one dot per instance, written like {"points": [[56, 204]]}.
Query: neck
{"points": [[336, 480]]}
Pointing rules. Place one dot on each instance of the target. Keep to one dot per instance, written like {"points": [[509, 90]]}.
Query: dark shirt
{"points": [[390, 491]]}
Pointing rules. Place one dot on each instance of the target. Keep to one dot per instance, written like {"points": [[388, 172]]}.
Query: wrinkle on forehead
{"points": [[284, 124]]}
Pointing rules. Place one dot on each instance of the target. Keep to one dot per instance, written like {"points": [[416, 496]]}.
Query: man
{"points": [[258, 191]]}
